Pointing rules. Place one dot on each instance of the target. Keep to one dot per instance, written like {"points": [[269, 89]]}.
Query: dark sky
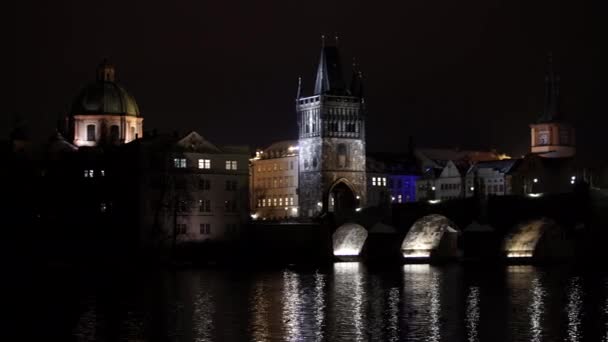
{"points": [[450, 73]]}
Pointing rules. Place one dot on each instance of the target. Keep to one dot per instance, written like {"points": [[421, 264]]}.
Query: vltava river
{"points": [[345, 302]]}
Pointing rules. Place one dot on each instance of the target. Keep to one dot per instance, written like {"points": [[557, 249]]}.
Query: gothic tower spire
{"points": [[551, 108], [329, 72]]}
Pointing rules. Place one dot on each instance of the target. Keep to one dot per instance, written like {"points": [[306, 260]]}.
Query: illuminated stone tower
{"points": [[331, 142], [551, 137]]}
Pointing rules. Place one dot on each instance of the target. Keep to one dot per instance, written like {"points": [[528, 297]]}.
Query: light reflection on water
{"points": [[574, 310], [260, 311], [422, 303], [350, 302], [472, 314], [202, 319], [536, 310]]}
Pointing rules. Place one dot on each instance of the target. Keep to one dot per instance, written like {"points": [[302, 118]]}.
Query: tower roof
{"points": [[329, 73], [551, 108], [104, 96]]}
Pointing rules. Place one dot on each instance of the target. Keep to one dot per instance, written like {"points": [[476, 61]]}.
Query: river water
{"points": [[341, 302]]}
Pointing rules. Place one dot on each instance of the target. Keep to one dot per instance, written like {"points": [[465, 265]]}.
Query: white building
{"points": [[190, 189], [444, 171], [492, 177]]}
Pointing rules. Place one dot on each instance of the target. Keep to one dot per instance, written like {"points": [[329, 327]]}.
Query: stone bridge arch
{"points": [[431, 237], [348, 241], [538, 239]]}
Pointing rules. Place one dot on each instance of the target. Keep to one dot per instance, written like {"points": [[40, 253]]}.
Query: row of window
{"points": [[90, 173], [204, 206], [266, 167], [378, 181], [275, 202], [450, 186], [182, 163], [277, 182], [495, 188], [114, 132], [205, 228]]}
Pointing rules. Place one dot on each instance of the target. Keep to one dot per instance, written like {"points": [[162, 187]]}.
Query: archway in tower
{"points": [[341, 199]]}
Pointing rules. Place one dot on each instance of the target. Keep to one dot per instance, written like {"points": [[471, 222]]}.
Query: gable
{"points": [[194, 142]]}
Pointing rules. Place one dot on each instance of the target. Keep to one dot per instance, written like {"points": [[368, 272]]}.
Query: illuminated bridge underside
{"points": [[540, 238], [348, 240], [522, 241], [430, 236]]}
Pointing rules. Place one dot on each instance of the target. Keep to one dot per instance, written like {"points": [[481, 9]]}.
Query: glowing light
{"points": [[522, 241], [358, 197], [294, 210], [254, 216], [319, 204], [535, 180], [535, 195], [433, 188], [572, 182], [472, 314], [573, 178], [293, 148], [435, 201], [393, 198], [348, 240], [286, 208], [472, 188], [426, 235], [574, 310], [358, 209]]}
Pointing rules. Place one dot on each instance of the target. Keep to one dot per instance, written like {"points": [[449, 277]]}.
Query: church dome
{"points": [[104, 96]]}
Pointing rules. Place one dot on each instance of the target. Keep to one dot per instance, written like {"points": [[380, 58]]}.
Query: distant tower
{"points": [[104, 113], [332, 141], [551, 137]]}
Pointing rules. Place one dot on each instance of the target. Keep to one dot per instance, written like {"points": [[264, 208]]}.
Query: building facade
{"points": [[494, 178], [274, 182], [189, 190], [391, 178], [331, 142]]}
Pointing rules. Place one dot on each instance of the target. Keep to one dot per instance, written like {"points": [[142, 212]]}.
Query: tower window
{"points": [[342, 156], [90, 132], [204, 163]]}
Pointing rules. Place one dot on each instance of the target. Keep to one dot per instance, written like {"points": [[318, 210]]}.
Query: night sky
{"points": [[449, 73]]}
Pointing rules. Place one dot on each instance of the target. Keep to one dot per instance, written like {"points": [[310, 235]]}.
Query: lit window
{"points": [[103, 173], [263, 202], [230, 164], [384, 181], [179, 163], [399, 198], [280, 201], [204, 163], [291, 201], [89, 173], [373, 181]]}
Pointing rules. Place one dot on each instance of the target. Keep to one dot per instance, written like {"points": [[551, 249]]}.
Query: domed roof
{"points": [[104, 96]]}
